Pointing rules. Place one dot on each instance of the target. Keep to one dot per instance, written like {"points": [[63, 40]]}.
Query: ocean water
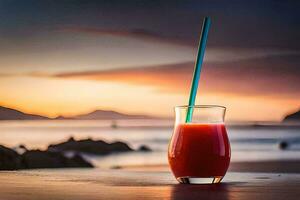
{"points": [[247, 143]]}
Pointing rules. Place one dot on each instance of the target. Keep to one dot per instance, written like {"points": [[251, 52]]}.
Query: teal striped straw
{"points": [[198, 66]]}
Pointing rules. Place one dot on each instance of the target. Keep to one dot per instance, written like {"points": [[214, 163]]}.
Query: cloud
{"points": [[213, 54], [162, 76], [276, 76], [222, 55], [140, 34]]}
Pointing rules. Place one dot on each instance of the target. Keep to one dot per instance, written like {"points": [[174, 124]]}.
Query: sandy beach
{"points": [[243, 181]]}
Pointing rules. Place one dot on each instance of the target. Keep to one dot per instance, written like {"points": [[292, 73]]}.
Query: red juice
{"points": [[199, 150]]}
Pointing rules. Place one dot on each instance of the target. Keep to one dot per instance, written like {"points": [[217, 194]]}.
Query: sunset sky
{"points": [[137, 57]]}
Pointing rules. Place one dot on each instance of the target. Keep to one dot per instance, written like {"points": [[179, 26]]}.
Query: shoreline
{"points": [[283, 166]]}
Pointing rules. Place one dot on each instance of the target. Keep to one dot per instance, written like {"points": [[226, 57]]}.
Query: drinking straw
{"points": [[198, 66]]}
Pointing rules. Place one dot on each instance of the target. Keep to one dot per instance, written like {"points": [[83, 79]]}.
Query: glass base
{"points": [[200, 180]]}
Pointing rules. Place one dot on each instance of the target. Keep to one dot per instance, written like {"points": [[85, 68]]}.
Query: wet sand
{"points": [[288, 166], [90, 184]]}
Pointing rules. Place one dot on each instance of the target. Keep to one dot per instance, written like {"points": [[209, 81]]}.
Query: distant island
{"points": [[293, 117], [107, 114], [12, 114]]}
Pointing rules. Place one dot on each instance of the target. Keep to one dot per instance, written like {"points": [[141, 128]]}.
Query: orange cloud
{"points": [[165, 76], [266, 76], [141, 34]]}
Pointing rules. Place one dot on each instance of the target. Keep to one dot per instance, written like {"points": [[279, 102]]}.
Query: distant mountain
{"points": [[108, 114], [11, 114], [293, 117]]}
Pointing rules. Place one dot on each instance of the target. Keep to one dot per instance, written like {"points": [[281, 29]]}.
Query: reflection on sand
{"points": [[214, 191]]}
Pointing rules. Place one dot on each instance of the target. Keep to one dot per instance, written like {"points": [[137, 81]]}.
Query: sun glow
{"points": [[56, 96]]}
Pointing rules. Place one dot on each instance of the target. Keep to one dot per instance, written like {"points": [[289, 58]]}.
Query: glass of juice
{"points": [[199, 150]]}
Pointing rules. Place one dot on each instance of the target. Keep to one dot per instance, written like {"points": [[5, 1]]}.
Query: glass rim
{"points": [[201, 106]]}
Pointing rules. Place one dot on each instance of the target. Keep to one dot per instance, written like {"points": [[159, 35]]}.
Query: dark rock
{"points": [[9, 159], [90, 146], [293, 117], [45, 159], [78, 161], [22, 146], [119, 147], [283, 145], [71, 139], [114, 125], [116, 167], [144, 148]]}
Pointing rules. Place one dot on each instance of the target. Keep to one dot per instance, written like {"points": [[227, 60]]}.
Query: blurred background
{"points": [[114, 70]]}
